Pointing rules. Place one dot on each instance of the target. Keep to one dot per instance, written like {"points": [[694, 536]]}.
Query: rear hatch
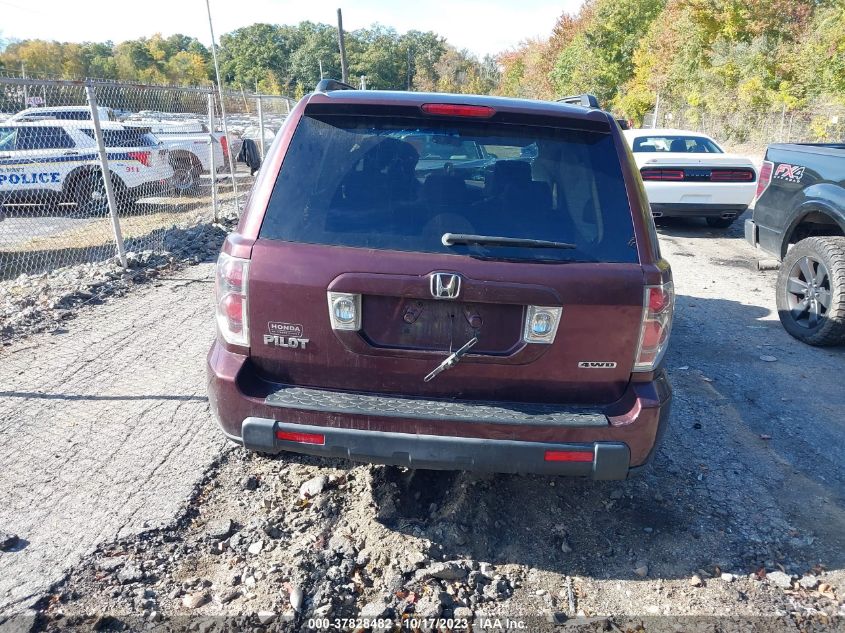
{"points": [[373, 264]]}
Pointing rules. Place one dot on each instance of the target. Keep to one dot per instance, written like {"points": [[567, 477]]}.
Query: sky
{"points": [[482, 26]]}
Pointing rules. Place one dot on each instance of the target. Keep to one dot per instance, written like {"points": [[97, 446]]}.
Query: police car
{"points": [[67, 113], [55, 161]]}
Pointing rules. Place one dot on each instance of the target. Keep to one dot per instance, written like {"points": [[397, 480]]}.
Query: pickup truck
{"points": [[188, 146], [799, 218]]}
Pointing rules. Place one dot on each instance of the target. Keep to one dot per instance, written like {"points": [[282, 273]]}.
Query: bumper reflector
{"points": [[302, 438], [569, 456]]}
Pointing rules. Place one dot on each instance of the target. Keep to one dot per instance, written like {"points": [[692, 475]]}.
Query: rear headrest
{"points": [[511, 171], [444, 189], [678, 145], [389, 152]]}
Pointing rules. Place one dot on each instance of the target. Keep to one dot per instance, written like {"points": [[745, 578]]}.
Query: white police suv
{"points": [[55, 161]]}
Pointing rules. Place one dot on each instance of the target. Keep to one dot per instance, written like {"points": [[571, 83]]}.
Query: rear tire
{"points": [[89, 193], [811, 291], [719, 223], [186, 175]]}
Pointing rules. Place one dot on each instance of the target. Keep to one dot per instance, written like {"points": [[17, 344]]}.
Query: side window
{"points": [[74, 115], [8, 136], [33, 138]]}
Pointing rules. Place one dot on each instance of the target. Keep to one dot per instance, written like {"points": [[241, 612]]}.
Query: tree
{"points": [[257, 54], [421, 51], [317, 45]]}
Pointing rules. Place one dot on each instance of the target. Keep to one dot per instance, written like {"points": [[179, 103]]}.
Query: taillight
{"points": [[224, 144], [453, 109], [659, 305], [765, 178], [141, 157], [231, 293], [651, 173], [732, 175]]}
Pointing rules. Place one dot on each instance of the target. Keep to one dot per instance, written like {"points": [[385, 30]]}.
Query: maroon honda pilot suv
{"points": [[448, 282]]}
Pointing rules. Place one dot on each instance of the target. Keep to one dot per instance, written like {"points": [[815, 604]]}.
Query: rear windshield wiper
{"points": [[450, 239]]}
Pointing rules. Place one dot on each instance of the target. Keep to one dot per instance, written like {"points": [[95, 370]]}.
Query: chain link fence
{"points": [[109, 190], [750, 132], [97, 177]]}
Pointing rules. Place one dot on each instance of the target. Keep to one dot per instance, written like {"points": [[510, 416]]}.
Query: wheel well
{"points": [[74, 176], [184, 155], [813, 224], [80, 172]]}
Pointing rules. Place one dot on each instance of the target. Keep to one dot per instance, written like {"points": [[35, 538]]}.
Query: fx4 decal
{"points": [[789, 173]]}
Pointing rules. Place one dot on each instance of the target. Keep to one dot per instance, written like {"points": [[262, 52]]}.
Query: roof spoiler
{"points": [[584, 100], [327, 85]]}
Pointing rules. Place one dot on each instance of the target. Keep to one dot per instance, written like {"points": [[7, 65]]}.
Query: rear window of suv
{"points": [[401, 183]]}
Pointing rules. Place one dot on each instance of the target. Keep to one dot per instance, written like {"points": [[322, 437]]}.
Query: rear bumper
{"points": [[684, 210], [435, 434], [610, 460]]}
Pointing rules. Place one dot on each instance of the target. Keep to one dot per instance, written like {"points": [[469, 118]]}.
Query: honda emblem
{"points": [[445, 285]]}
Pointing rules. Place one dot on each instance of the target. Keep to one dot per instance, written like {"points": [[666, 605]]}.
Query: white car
{"points": [[62, 113], [188, 144], [49, 162], [687, 174]]}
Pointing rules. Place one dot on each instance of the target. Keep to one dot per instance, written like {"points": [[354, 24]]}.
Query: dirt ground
{"points": [[739, 525]]}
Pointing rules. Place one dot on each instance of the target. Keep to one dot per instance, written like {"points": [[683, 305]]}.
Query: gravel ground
{"points": [[740, 523]]}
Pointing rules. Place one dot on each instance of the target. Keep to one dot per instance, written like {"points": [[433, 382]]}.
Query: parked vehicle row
{"points": [[190, 152], [53, 161], [465, 282]]}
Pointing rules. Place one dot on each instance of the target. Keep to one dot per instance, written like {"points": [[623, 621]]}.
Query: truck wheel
{"points": [[719, 223], [186, 175], [89, 194], [811, 291]]}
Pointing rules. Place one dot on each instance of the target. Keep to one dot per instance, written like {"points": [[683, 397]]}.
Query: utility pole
{"points": [[656, 111], [222, 108], [320, 61], [363, 82], [25, 89], [344, 71], [409, 68]]}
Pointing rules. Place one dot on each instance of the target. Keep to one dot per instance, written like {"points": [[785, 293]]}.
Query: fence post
{"points": [[260, 126], [211, 166], [230, 156], [104, 168]]}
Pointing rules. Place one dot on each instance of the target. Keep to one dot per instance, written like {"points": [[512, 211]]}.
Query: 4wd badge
{"points": [[287, 335], [596, 364]]}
